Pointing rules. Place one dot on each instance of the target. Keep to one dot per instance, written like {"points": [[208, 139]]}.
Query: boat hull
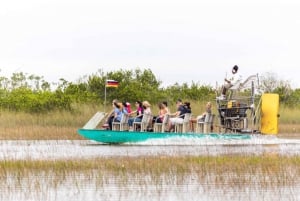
{"points": [[118, 137]]}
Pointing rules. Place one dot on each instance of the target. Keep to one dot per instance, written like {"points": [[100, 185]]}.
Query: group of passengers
{"points": [[120, 108]]}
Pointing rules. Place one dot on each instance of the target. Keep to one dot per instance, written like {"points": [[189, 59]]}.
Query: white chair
{"points": [[142, 124], [206, 125], [184, 126], [161, 127], [122, 125]]}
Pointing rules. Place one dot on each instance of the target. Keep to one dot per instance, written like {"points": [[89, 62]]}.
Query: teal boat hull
{"points": [[118, 137]]}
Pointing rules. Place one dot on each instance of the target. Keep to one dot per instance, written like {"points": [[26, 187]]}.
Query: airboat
{"points": [[242, 113]]}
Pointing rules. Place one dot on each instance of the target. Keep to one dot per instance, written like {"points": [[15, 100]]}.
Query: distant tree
{"points": [[270, 83], [294, 98], [134, 85], [193, 92], [18, 80]]}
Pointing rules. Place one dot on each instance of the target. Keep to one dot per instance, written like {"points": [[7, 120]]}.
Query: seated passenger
{"points": [[161, 114], [118, 112], [126, 106], [201, 117], [187, 106], [110, 115], [178, 116], [166, 105], [147, 107], [139, 112], [146, 110]]}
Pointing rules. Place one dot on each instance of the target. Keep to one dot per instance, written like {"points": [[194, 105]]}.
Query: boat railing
{"points": [[235, 113]]}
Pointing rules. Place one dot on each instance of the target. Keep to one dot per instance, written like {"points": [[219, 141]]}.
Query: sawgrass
{"points": [[266, 170]]}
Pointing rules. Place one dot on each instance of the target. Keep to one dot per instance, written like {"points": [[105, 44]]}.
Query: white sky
{"points": [[179, 41]]}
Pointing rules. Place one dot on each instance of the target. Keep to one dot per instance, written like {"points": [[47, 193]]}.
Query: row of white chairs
{"points": [[184, 127]]}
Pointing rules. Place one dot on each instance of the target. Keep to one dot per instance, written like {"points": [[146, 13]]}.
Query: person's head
{"points": [[146, 104], [138, 104], [187, 104], [126, 105], [115, 104], [119, 105], [208, 104], [161, 106], [165, 103], [115, 101], [178, 102], [235, 69]]}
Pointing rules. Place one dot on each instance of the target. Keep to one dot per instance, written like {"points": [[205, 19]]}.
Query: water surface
{"points": [[181, 146]]}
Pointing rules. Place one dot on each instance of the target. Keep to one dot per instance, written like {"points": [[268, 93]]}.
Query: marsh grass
{"points": [[155, 176], [267, 170]]}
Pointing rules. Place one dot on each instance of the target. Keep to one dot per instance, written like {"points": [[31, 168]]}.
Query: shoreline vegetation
{"points": [[31, 110]]}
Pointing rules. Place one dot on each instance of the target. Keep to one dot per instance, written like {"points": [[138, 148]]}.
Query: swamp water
{"points": [[97, 185]]}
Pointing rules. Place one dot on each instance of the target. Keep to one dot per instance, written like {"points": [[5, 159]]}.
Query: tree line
{"points": [[31, 93]]}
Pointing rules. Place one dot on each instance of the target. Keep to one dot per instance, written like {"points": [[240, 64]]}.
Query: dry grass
{"points": [[39, 133], [289, 115], [21, 126], [51, 126]]}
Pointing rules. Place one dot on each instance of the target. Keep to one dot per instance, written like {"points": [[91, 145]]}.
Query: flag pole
{"points": [[109, 83], [105, 96]]}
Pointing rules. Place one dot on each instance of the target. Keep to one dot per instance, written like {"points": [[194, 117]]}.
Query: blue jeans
{"points": [[131, 120]]}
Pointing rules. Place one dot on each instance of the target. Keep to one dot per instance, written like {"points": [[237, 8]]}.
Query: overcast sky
{"points": [[179, 41]]}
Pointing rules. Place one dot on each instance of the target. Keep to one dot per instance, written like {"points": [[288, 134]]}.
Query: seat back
{"points": [[124, 118], [122, 125], [187, 117], [166, 119], [165, 123], [160, 127], [146, 118], [184, 126], [208, 118], [144, 122], [208, 123]]}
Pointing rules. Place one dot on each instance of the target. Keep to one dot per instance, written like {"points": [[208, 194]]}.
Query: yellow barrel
{"points": [[269, 114]]}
